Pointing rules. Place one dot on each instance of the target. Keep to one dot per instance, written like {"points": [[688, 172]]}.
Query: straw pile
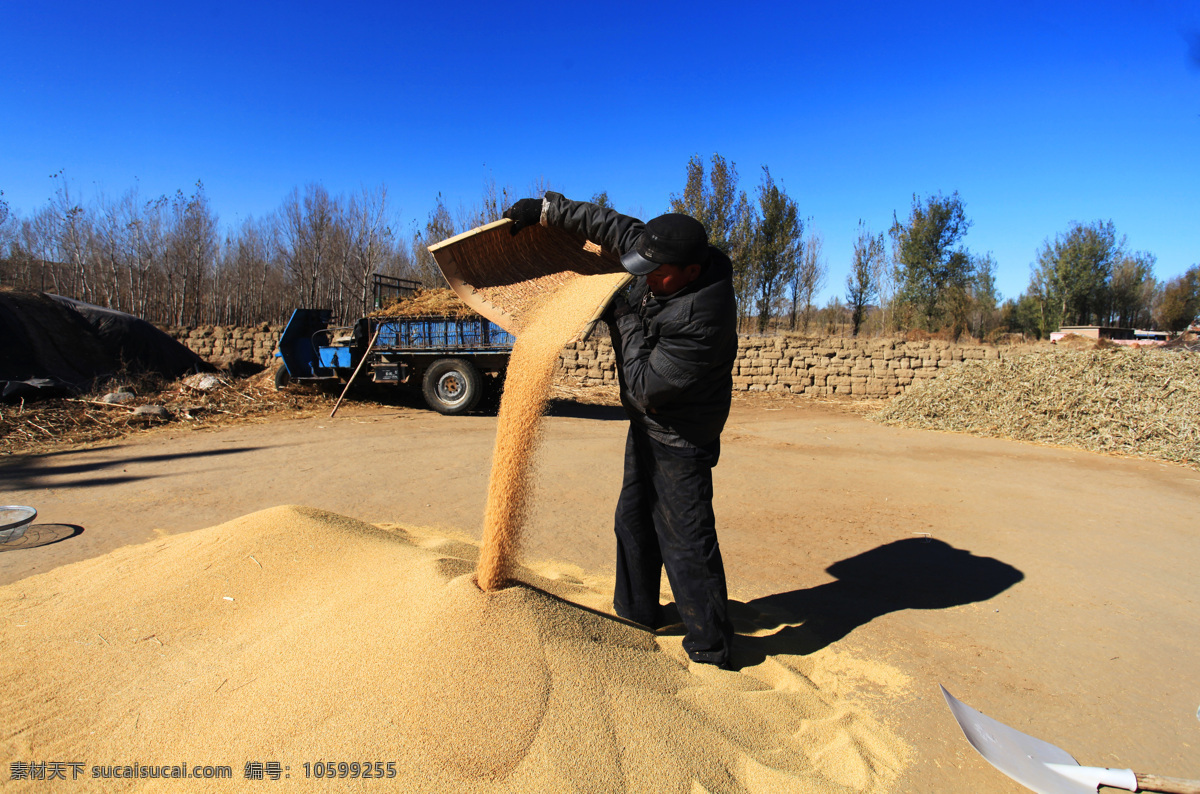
{"points": [[427, 302], [293, 635], [1117, 400], [49, 425]]}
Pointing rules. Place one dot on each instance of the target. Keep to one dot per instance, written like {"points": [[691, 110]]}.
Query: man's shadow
{"points": [[916, 573]]}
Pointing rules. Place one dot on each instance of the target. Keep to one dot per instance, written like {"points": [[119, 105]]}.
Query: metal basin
{"points": [[13, 521]]}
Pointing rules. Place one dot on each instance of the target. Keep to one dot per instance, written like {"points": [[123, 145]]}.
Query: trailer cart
{"points": [[454, 359]]}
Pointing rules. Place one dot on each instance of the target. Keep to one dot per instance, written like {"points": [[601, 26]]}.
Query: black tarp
{"points": [[51, 345], [136, 344]]}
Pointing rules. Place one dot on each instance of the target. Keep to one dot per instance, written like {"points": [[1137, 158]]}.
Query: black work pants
{"points": [[665, 518]]}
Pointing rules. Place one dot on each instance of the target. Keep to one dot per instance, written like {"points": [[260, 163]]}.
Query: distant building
{"points": [[1119, 336]]}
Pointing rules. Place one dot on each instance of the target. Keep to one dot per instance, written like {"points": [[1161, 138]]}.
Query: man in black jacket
{"points": [[675, 340]]}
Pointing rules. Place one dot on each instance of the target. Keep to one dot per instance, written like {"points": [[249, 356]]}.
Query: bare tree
{"points": [[538, 187], [306, 241], [370, 237], [439, 227], [833, 317], [71, 223], [7, 233], [153, 240], [493, 202], [861, 284], [983, 296], [813, 270], [14, 263], [191, 253], [111, 249]]}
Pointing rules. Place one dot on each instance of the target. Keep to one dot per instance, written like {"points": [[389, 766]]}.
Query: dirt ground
{"points": [[1052, 589]]}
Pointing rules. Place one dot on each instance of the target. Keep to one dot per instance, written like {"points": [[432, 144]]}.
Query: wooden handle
{"points": [[1167, 785], [361, 361]]}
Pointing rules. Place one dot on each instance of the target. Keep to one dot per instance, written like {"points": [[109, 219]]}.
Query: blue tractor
{"points": [[454, 359]]}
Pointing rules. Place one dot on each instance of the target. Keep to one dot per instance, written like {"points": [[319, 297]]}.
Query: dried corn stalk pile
{"points": [[434, 302], [46, 425], [1134, 402]]}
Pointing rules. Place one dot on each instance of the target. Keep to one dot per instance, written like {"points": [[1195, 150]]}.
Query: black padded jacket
{"points": [[675, 354]]}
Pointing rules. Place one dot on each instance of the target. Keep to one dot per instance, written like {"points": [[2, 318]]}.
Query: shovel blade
{"points": [[1021, 757]]}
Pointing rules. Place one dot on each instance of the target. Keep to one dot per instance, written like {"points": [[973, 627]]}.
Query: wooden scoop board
{"points": [[501, 275]]}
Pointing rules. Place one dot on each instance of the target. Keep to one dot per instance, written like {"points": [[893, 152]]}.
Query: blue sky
{"points": [[1038, 114]]}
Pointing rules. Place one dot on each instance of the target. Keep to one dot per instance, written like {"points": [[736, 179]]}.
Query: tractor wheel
{"points": [[282, 378], [452, 386]]}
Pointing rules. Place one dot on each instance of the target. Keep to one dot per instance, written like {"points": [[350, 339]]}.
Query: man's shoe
{"points": [[720, 665]]}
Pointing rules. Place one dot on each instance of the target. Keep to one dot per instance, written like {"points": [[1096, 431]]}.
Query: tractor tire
{"points": [[452, 386], [282, 378]]}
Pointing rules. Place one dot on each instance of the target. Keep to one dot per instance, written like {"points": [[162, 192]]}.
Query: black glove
{"points": [[617, 308], [526, 212]]}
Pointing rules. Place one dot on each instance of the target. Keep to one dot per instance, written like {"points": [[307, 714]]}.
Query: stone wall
{"points": [[222, 344], [817, 367], [799, 365]]}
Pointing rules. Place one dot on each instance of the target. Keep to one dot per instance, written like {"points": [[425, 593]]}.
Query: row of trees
{"points": [[930, 281], [777, 269], [166, 259], [1088, 276]]}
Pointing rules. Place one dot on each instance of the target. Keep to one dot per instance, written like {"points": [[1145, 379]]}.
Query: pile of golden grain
{"points": [[325, 645]]}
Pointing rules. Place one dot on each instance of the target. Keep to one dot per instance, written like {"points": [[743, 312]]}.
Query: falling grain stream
{"points": [[554, 321]]}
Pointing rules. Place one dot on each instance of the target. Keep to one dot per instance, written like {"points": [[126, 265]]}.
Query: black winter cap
{"points": [[671, 239]]}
